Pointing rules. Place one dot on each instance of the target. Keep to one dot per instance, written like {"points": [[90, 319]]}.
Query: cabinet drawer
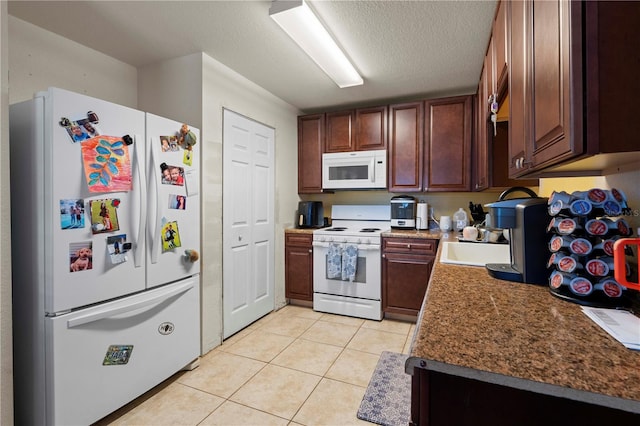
{"points": [[410, 245], [297, 239]]}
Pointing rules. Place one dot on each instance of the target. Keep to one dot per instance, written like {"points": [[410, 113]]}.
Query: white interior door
{"points": [[248, 224]]}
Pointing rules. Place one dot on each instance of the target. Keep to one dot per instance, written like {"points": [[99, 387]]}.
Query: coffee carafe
{"points": [[526, 219]]}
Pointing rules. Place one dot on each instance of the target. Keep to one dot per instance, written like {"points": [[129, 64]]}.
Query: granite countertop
{"points": [[520, 335], [400, 233], [412, 233], [300, 230]]}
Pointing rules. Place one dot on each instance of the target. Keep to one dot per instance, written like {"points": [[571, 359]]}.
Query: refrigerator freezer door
{"points": [[173, 201], [105, 356], [50, 164]]}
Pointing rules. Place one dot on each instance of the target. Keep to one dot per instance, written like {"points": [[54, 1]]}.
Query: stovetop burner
{"points": [[370, 229], [337, 228]]}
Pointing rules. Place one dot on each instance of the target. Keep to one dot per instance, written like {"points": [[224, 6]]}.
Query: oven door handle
{"points": [[362, 247]]}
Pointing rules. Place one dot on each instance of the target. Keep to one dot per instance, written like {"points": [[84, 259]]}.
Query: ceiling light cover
{"points": [[302, 25]]}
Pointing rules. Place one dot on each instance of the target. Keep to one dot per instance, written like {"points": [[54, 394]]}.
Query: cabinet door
{"points": [[404, 282], [339, 131], [298, 281], [310, 145], [500, 48], [447, 132], [551, 79], [405, 147], [371, 128], [519, 19], [481, 142]]}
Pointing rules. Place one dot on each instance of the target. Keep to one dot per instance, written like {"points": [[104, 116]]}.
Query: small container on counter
{"points": [[610, 287], [605, 246], [577, 207], [460, 220], [578, 285], [563, 225], [564, 262], [599, 267], [577, 246]]}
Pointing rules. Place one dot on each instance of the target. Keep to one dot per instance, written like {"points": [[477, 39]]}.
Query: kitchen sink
{"points": [[474, 254]]}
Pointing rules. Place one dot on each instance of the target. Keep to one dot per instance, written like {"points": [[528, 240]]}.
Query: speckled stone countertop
{"points": [[412, 233], [519, 335], [300, 230]]}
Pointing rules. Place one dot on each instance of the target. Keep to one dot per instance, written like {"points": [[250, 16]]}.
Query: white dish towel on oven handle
{"points": [[334, 261], [349, 262]]}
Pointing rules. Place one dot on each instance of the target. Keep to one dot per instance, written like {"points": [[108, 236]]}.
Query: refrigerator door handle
{"points": [[107, 312], [139, 209], [154, 203]]}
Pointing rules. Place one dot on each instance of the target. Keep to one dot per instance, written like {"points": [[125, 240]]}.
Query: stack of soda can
{"points": [[583, 228]]}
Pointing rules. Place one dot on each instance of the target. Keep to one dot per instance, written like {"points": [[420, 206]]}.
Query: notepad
{"points": [[621, 325]]}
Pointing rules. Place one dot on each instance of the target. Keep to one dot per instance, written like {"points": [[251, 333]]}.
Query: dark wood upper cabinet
{"points": [[447, 133], [371, 128], [481, 141], [518, 88], [406, 144], [310, 146], [500, 55], [339, 131], [573, 88], [552, 95]]}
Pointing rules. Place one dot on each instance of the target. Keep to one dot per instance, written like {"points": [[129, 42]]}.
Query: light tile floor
{"points": [[292, 367]]}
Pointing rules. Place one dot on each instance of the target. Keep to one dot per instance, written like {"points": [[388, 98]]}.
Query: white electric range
{"points": [[355, 229]]}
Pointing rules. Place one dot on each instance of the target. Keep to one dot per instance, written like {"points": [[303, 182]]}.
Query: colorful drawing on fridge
{"points": [[107, 165]]}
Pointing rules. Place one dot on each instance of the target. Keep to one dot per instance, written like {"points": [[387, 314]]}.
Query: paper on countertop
{"points": [[621, 325]]}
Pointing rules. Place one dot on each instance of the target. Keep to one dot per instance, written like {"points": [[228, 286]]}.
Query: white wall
{"points": [[6, 358], [39, 59], [223, 88], [202, 87]]}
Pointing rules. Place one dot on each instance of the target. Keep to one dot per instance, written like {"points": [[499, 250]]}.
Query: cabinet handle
{"points": [[384, 256], [408, 246], [310, 251]]}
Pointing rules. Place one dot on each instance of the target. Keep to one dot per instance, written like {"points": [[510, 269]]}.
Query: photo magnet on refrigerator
{"points": [[80, 256], [104, 215], [72, 213]]}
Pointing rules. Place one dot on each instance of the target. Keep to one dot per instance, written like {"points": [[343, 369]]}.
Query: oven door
{"points": [[366, 284]]}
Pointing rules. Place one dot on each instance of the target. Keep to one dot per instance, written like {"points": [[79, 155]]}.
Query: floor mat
{"points": [[387, 400]]}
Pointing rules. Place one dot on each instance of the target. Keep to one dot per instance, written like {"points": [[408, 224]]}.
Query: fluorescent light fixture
{"points": [[302, 25]]}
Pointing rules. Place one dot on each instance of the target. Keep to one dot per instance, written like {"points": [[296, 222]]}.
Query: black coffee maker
{"points": [[527, 220]]}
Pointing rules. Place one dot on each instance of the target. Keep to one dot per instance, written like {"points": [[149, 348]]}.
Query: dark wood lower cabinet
{"points": [[444, 399], [298, 264], [406, 268]]}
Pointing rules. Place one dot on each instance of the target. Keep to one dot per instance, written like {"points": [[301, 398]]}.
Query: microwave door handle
{"points": [[372, 169]]}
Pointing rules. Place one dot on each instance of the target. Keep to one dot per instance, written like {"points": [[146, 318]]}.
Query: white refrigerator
{"points": [[105, 246]]}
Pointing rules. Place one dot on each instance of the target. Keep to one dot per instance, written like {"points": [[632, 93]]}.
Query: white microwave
{"points": [[355, 170]]}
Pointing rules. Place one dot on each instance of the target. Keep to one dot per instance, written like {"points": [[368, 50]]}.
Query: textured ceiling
{"points": [[403, 49]]}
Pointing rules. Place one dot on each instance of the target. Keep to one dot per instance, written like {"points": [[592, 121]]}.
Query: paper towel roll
{"points": [[422, 216]]}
